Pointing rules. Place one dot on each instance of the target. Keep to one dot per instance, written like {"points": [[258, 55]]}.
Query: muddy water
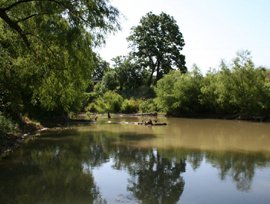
{"points": [[187, 161]]}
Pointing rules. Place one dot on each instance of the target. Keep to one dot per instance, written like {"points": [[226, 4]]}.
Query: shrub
{"points": [[130, 106], [109, 102], [179, 93], [148, 106]]}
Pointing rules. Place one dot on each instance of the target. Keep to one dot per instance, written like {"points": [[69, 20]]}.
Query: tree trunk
{"points": [[151, 76], [158, 71], [153, 68]]}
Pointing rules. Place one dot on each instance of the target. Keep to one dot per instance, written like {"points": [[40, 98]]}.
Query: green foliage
{"points": [[148, 106], [129, 74], [109, 102], [247, 86], [110, 81], [46, 52], [213, 97], [101, 67], [141, 92], [179, 93], [130, 106], [157, 43], [166, 99], [125, 77], [6, 125], [240, 90]]}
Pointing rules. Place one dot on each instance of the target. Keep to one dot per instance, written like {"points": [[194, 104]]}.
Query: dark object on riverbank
{"points": [[148, 122], [151, 124], [109, 116]]}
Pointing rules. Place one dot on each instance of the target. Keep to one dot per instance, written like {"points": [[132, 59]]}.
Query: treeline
{"points": [[236, 90]]}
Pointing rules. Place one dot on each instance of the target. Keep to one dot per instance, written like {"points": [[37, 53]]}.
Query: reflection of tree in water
{"points": [[153, 173], [239, 166], [195, 159], [52, 171], [156, 179], [48, 172]]}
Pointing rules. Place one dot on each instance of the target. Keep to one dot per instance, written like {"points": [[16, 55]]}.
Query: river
{"points": [[188, 161]]}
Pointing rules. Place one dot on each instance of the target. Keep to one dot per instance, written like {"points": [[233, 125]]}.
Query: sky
{"points": [[213, 30]]}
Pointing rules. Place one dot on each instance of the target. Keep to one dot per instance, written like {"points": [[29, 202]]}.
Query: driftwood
{"points": [[153, 124]]}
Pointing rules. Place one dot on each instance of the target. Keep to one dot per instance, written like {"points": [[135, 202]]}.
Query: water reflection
{"points": [[58, 167], [157, 179], [240, 167]]}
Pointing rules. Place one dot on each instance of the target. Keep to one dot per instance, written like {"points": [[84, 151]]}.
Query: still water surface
{"points": [[187, 161]]}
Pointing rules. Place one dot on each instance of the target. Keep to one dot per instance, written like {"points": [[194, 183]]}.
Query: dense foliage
{"points": [[46, 53], [157, 43], [239, 90]]}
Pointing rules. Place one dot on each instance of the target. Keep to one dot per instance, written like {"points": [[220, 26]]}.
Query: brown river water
{"points": [[187, 161]]}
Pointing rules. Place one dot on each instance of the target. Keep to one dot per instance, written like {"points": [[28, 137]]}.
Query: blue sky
{"points": [[212, 29]]}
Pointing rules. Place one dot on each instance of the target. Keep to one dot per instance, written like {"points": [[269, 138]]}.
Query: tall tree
{"points": [[157, 42]]}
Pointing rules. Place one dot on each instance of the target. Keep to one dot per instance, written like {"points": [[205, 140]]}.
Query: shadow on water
{"points": [[51, 169]]}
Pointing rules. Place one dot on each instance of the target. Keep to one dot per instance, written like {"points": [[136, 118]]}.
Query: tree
{"points": [[157, 42], [248, 92], [101, 67], [47, 53], [130, 75]]}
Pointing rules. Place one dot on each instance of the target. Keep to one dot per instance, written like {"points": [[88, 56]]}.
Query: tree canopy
{"points": [[157, 42], [93, 15], [47, 55]]}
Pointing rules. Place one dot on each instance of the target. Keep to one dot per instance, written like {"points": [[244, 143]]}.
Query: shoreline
{"points": [[12, 141]]}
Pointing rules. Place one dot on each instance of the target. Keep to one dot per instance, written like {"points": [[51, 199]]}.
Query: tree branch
{"points": [[14, 25], [31, 16], [43, 42]]}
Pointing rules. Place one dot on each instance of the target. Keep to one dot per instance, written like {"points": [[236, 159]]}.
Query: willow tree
{"points": [[47, 51], [158, 42]]}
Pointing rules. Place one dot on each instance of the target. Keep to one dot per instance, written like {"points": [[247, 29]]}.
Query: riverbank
{"points": [[251, 118], [25, 130], [30, 129]]}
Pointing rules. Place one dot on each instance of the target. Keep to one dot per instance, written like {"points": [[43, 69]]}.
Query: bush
{"points": [[179, 93], [109, 102], [148, 106], [130, 106], [6, 125]]}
